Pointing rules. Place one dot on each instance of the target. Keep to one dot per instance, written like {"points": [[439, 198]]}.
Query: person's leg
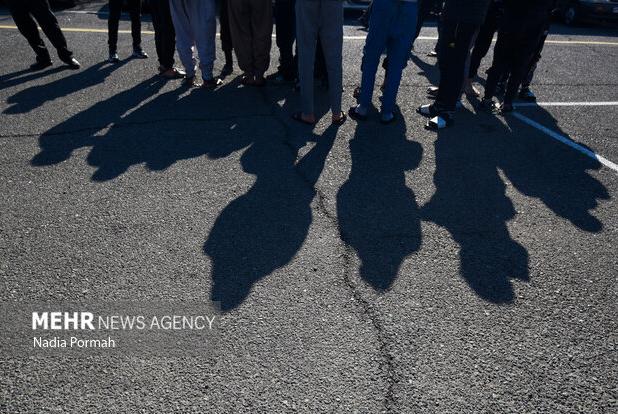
{"points": [[526, 45], [115, 9], [240, 27], [285, 34], [28, 28], [135, 11], [402, 32], [42, 13], [262, 28], [331, 35], [165, 36], [500, 63], [185, 39], [382, 13], [204, 25], [226, 36], [307, 20], [483, 42], [534, 61], [455, 52], [424, 8]]}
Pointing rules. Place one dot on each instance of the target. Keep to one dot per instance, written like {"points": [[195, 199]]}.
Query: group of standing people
{"points": [[466, 29]]}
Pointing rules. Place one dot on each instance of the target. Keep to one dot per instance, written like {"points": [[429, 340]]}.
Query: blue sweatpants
{"points": [[391, 27]]}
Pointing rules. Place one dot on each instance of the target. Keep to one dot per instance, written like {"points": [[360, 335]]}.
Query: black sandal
{"points": [[298, 116], [341, 120]]}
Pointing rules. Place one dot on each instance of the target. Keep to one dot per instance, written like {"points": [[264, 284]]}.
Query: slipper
{"points": [[355, 115], [341, 119], [439, 122], [298, 116], [427, 110]]}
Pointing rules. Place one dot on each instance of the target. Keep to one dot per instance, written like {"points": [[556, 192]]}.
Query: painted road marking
{"points": [[362, 37], [533, 104], [566, 141]]}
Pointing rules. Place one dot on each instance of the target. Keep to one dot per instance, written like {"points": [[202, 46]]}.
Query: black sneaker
{"points": [[139, 54], [41, 65], [487, 105], [527, 95], [212, 83], [72, 63], [113, 58]]}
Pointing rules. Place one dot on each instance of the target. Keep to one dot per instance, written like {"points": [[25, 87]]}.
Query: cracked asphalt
{"points": [[360, 269]]}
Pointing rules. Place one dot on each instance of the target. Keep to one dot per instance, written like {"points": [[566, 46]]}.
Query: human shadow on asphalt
{"points": [[33, 97], [263, 229], [81, 130], [26, 75], [554, 173], [470, 200], [378, 214]]}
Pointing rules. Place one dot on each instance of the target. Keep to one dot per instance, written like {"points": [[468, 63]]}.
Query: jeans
{"points": [[391, 27]]}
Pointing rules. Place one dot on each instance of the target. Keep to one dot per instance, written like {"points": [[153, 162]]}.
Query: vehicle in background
{"points": [[577, 11], [356, 4]]}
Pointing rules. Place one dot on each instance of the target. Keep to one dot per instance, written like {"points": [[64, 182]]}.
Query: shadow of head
{"points": [[378, 214]]}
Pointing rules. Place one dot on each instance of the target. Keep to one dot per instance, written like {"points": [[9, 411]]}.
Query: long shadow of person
{"points": [[378, 214], [22, 76], [262, 230], [470, 202], [553, 172], [26, 100], [58, 143], [171, 127]]}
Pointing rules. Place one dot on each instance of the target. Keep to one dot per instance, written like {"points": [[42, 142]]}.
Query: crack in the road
{"points": [[368, 311]]}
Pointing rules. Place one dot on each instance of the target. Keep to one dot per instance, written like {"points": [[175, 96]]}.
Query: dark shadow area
{"points": [[26, 75], [262, 230], [429, 69], [58, 143], [378, 214], [553, 172], [33, 97], [471, 201]]}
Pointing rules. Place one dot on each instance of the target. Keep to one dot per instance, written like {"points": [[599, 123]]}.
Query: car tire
{"points": [[571, 15]]}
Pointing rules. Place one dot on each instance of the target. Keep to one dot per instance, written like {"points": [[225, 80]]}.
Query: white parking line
{"points": [[529, 104], [566, 141]]}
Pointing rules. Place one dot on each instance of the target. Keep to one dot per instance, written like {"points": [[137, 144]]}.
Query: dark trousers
{"points": [[135, 11], [165, 36], [224, 24], [424, 9], [285, 29], [534, 61], [483, 39], [251, 27], [23, 12], [517, 42], [455, 39]]}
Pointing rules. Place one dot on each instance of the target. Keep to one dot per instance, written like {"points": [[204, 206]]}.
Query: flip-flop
{"points": [[439, 122], [341, 119], [427, 110], [298, 116]]}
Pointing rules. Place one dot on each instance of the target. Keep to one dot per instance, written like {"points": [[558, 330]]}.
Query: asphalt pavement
{"points": [[360, 269]]}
